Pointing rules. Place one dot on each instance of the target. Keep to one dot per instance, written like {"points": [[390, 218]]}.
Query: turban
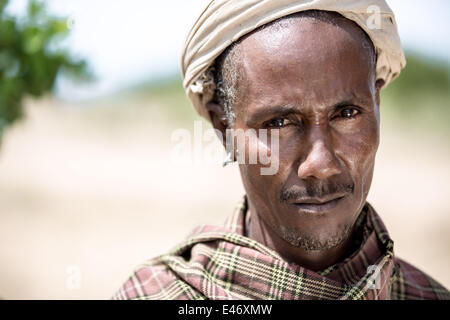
{"points": [[223, 22]]}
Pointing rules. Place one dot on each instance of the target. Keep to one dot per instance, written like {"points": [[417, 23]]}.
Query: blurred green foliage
{"points": [[31, 57], [420, 96]]}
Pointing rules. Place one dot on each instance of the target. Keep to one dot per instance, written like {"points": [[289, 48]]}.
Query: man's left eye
{"points": [[348, 113]]}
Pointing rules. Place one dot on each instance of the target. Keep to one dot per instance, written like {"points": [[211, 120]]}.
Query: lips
{"points": [[318, 205]]}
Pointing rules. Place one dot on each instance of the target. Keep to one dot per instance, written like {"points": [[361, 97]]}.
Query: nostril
{"points": [[320, 163]]}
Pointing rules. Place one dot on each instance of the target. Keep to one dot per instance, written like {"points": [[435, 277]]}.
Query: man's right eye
{"points": [[275, 123]]}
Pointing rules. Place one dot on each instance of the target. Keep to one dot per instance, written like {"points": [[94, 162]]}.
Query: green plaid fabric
{"points": [[221, 262]]}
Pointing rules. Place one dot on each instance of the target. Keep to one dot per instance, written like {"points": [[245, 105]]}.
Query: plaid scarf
{"points": [[220, 262]]}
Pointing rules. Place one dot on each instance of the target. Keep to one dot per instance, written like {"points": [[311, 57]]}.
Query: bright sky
{"points": [[127, 41]]}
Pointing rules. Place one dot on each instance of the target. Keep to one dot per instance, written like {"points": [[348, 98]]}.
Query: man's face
{"points": [[314, 82]]}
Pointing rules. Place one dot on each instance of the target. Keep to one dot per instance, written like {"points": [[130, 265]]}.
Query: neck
{"points": [[315, 260]]}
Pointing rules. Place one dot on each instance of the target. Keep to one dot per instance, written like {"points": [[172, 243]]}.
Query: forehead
{"points": [[307, 59]]}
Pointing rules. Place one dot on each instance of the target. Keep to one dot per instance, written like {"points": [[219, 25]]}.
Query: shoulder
{"points": [[154, 280], [411, 283]]}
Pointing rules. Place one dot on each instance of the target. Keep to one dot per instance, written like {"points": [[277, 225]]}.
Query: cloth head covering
{"points": [[222, 262], [223, 22]]}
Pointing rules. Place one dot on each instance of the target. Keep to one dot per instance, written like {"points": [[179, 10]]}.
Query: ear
{"points": [[218, 117], [378, 85]]}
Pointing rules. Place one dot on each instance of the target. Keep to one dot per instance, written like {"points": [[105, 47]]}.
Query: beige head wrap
{"points": [[224, 21]]}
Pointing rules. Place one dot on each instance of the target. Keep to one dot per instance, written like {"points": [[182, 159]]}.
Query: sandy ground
{"points": [[88, 194]]}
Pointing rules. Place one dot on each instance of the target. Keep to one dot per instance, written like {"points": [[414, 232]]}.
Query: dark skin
{"points": [[315, 83]]}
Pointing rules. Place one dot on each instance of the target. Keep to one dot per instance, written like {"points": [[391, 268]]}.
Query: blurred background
{"points": [[90, 94]]}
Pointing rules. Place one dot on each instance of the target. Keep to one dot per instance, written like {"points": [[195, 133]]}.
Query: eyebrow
{"points": [[270, 111]]}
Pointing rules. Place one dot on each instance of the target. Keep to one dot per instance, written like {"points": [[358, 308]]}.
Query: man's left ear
{"points": [[378, 85]]}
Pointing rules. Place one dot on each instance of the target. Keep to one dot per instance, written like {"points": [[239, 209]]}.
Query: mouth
{"points": [[318, 205]]}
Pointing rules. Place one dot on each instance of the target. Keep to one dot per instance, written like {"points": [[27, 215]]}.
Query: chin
{"points": [[324, 239], [312, 230]]}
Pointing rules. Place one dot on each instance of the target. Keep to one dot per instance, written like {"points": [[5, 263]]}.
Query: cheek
{"points": [[270, 152], [260, 189], [261, 153], [357, 149]]}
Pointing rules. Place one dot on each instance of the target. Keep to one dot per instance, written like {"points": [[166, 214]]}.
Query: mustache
{"points": [[315, 190]]}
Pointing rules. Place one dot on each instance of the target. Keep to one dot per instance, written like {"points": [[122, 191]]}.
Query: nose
{"points": [[320, 162]]}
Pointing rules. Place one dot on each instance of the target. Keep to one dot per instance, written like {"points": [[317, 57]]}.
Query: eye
{"points": [[276, 123], [348, 113]]}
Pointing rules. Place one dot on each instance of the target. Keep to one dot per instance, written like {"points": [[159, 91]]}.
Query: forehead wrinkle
{"points": [[278, 33], [310, 52]]}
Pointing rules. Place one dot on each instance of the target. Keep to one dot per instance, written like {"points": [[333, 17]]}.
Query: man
{"points": [[309, 73]]}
